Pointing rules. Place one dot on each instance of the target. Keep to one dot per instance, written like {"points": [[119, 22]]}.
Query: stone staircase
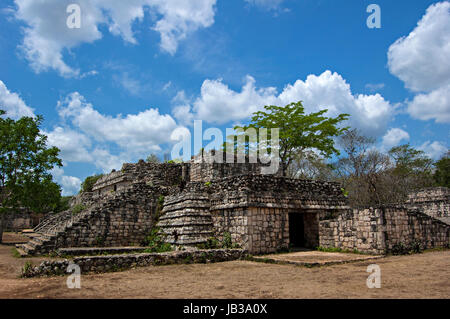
{"points": [[44, 238], [186, 220]]}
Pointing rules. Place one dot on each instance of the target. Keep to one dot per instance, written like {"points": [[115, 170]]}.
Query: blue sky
{"points": [[137, 73]]}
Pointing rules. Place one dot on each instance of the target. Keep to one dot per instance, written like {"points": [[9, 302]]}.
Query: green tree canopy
{"points": [[441, 174], [298, 131], [25, 162]]}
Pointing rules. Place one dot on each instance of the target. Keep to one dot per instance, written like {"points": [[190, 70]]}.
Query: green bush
{"points": [[214, 243], [211, 243], [78, 209], [27, 268], [89, 182], [155, 242]]}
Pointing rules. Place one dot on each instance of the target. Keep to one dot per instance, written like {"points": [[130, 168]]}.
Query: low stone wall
{"points": [[18, 221], [121, 262], [89, 251], [382, 230], [407, 229], [434, 202], [358, 229]]}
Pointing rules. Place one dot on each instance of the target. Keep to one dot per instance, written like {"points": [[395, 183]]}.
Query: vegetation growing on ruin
{"points": [[89, 182], [155, 242], [298, 132], [215, 243], [78, 209]]}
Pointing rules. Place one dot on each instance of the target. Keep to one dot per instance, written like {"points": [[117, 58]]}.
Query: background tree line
{"points": [[370, 176]]}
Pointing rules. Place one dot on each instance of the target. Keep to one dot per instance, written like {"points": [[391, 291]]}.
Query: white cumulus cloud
{"points": [[47, 37], [434, 105], [422, 61], [217, 103], [70, 184], [142, 132], [394, 137], [434, 149], [13, 104]]}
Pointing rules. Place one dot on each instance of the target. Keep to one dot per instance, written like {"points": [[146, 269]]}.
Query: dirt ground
{"points": [[424, 275]]}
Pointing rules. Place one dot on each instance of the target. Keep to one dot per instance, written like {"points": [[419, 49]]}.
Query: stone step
{"points": [[21, 252], [184, 224], [28, 249]]}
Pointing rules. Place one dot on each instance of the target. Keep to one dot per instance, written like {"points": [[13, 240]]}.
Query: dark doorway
{"points": [[296, 230]]}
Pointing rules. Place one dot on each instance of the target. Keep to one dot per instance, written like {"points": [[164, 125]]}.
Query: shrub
{"points": [[78, 209], [27, 268], [155, 241], [211, 243], [214, 243], [89, 182]]}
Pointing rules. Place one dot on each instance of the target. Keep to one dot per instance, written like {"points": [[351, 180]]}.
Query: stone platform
{"points": [[314, 258]]}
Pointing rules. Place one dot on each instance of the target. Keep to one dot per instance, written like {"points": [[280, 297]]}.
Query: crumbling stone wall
{"points": [[412, 227], [358, 229], [120, 221], [154, 174], [233, 221], [380, 230], [18, 221], [434, 202]]}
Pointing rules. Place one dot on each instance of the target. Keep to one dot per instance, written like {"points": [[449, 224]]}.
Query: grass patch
{"points": [[15, 252]]}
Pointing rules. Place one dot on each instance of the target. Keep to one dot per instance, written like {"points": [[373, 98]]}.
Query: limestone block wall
{"points": [[122, 220], [186, 219], [18, 221], [434, 202], [233, 221], [352, 229], [154, 174], [379, 230], [407, 227], [268, 230]]}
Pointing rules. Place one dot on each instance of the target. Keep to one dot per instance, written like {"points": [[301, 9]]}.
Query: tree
{"points": [[25, 162], [298, 131], [373, 178], [362, 170], [89, 182], [309, 165], [152, 158], [412, 170], [441, 174]]}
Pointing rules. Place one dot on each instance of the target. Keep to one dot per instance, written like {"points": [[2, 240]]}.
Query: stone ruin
{"points": [[193, 201]]}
